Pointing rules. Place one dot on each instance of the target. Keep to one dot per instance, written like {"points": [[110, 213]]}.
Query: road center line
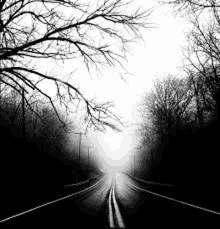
{"points": [[118, 214], [111, 221]]}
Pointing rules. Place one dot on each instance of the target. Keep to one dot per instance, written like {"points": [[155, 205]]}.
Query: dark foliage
{"points": [[185, 154], [35, 166]]}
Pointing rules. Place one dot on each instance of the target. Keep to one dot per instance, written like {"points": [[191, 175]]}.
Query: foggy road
{"points": [[117, 201]]}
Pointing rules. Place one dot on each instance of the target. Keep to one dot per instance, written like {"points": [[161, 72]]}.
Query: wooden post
{"points": [[88, 159], [23, 114], [80, 134], [134, 163]]}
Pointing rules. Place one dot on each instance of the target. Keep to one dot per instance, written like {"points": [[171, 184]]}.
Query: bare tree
{"points": [[204, 92], [202, 54], [193, 6], [166, 113], [168, 103], [32, 31]]}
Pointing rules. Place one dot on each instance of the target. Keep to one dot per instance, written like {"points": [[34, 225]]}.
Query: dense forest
{"points": [[42, 43], [39, 154], [179, 132]]}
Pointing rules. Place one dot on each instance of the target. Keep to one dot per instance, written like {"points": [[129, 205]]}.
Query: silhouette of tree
{"points": [[53, 31], [166, 113], [203, 54], [204, 86], [194, 6], [167, 105], [181, 135]]}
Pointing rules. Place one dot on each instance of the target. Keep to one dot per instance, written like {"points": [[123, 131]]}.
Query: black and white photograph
{"points": [[109, 113]]}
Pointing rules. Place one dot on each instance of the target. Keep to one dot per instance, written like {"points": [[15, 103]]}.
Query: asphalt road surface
{"points": [[116, 201]]}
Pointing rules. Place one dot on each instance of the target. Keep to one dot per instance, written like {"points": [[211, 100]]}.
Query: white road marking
{"points": [[118, 214], [150, 182], [52, 202], [178, 201], [111, 221], [77, 184]]}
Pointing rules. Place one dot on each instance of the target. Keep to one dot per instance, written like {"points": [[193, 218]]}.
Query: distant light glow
{"points": [[159, 54]]}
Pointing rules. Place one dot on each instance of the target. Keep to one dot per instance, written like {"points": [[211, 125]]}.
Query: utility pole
{"points": [[0, 90], [88, 158], [80, 134], [23, 113], [134, 162]]}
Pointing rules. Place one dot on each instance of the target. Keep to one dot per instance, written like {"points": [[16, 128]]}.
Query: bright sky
{"points": [[160, 53]]}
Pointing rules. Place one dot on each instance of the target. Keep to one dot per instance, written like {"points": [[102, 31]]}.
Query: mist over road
{"points": [[117, 201]]}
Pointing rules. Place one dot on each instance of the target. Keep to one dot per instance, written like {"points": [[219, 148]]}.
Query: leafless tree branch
{"points": [[53, 30]]}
